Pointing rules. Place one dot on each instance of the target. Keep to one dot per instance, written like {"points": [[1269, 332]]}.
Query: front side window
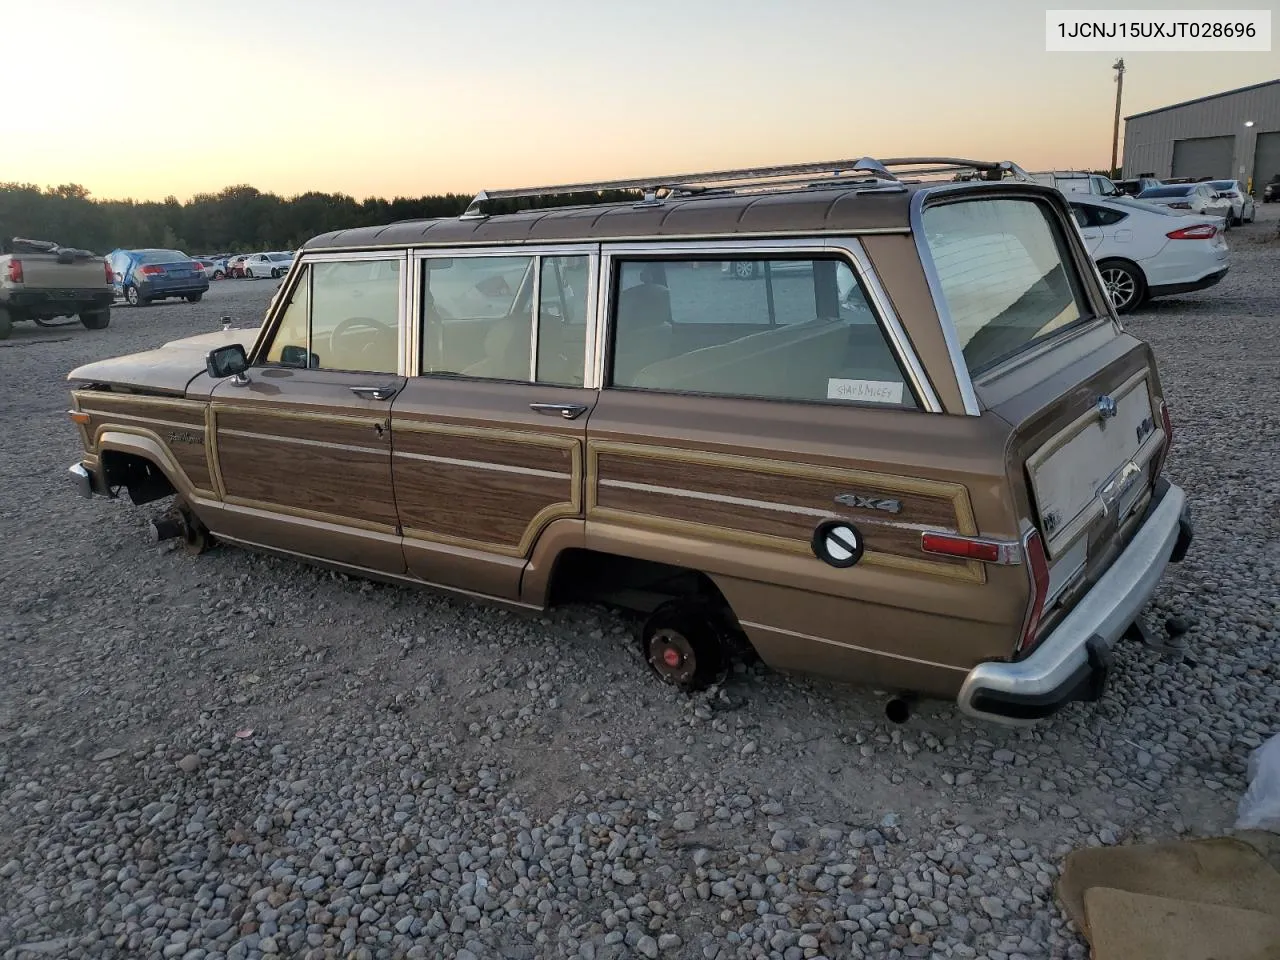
{"points": [[780, 329], [341, 315], [1005, 274]]}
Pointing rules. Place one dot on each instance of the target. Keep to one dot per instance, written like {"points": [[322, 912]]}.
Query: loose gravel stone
{"points": [[234, 756]]}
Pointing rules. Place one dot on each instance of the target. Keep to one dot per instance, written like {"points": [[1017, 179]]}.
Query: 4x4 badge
{"points": [[869, 503]]}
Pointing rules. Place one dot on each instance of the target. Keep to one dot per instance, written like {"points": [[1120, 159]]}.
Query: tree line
{"points": [[237, 219]]}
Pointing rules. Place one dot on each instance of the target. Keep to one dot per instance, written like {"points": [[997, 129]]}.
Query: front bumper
{"points": [[1073, 662], [84, 479]]}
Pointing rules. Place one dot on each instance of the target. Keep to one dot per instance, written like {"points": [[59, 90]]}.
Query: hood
{"points": [[168, 368]]}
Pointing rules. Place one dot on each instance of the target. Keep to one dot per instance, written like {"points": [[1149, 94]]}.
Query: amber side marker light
{"points": [[78, 417]]}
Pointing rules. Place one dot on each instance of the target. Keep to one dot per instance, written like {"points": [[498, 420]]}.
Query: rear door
{"points": [[1083, 398], [489, 431]]}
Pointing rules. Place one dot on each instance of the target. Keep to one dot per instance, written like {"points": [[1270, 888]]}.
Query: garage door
{"points": [[1204, 157], [1266, 161]]}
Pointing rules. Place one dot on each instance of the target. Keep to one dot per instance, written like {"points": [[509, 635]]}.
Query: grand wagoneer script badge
{"points": [[184, 437]]}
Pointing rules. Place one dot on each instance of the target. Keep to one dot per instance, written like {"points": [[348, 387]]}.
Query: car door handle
{"points": [[375, 393], [570, 411]]}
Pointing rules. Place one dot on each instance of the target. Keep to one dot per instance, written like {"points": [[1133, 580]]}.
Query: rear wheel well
{"points": [[638, 586], [145, 481]]}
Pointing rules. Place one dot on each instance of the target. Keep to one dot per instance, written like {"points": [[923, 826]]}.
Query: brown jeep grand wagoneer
{"points": [[876, 419]]}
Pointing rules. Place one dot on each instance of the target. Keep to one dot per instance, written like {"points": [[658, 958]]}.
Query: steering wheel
{"points": [[353, 324]]}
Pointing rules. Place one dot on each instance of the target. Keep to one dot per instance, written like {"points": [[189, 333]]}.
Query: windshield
{"points": [[1222, 184], [1166, 192], [279, 256], [1004, 276]]}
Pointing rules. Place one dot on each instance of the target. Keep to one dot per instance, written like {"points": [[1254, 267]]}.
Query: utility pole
{"points": [[1118, 67]]}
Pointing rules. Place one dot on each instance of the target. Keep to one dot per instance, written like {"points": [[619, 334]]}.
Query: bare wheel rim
{"points": [[744, 270], [131, 296], [1121, 286], [672, 656]]}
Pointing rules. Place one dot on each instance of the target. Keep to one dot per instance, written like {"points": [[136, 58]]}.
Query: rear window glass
{"points": [[1004, 276], [1167, 191], [1145, 207], [162, 256]]}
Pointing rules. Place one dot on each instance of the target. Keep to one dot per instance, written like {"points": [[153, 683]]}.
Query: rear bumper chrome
{"points": [[1073, 662]]}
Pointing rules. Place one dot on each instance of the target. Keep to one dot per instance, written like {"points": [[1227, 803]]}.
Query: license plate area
{"points": [[1096, 467]]}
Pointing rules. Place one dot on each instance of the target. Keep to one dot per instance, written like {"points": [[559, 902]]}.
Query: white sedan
{"points": [[1243, 209], [1146, 251], [273, 265], [1191, 198]]}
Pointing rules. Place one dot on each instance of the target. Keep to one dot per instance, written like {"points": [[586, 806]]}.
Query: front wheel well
{"points": [[145, 481]]}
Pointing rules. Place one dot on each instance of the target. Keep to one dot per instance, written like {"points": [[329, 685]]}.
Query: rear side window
{"points": [[1005, 276], [794, 329]]}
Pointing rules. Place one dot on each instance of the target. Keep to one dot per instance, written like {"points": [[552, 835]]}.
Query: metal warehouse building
{"points": [[1233, 135]]}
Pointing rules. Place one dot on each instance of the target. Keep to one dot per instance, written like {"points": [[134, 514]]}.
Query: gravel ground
{"points": [[233, 756]]}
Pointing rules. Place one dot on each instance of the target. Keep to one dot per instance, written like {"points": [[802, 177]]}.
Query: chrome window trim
{"points": [[1101, 306], [958, 367], [534, 252], [845, 244], [535, 321], [301, 268]]}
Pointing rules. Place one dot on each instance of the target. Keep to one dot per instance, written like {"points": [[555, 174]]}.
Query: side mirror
{"points": [[228, 361]]}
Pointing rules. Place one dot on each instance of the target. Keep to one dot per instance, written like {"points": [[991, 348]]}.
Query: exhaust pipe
{"points": [[898, 709], [166, 528]]}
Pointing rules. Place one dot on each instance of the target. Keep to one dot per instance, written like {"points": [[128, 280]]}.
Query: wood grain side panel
{"points": [[316, 428], [757, 520], [813, 493], [501, 508], [334, 482], [100, 403], [554, 457], [194, 462]]}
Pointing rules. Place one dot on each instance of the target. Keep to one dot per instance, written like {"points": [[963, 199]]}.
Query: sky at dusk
{"points": [[411, 97]]}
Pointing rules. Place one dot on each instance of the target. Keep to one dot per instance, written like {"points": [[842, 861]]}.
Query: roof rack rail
{"points": [[834, 173]]}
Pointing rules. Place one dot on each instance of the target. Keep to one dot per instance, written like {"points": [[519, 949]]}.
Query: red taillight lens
{"points": [[1038, 575], [966, 547], [111, 277], [15, 270], [1167, 423], [151, 270], [1203, 231]]}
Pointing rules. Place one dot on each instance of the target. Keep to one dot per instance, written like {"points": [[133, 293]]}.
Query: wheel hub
{"points": [[672, 656]]}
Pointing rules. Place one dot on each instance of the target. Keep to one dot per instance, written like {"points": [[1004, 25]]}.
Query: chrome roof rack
{"points": [[817, 175]]}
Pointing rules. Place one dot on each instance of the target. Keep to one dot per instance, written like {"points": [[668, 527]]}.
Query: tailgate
{"points": [[43, 272], [1087, 443]]}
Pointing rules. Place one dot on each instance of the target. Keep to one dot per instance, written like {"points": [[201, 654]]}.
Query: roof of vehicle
{"points": [[846, 198], [1168, 190]]}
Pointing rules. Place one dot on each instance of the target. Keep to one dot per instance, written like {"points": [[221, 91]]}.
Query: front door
{"points": [[303, 448], [488, 435]]}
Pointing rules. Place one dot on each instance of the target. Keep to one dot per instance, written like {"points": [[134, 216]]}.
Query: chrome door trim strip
{"points": [[483, 465], [795, 509], [324, 444]]}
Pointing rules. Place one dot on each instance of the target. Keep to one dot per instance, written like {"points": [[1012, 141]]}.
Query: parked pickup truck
{"points": [[40, 280]]}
